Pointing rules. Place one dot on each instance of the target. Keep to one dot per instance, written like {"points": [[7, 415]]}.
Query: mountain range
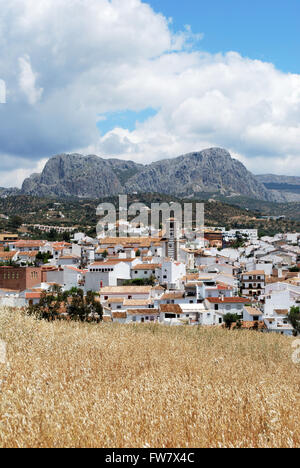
{"points": [[211, 171]]}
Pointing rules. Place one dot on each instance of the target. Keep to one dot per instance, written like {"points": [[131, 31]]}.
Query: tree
{"points": [[238, 325], [94, 307], [15, 222], [73, 302], [229, 319], [48, 307], [66, 237], [294, 319]]}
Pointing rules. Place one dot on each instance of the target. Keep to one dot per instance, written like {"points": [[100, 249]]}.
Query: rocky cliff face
{"points": [[212, 170], [9, 192], [70, 175], [282, 188]]}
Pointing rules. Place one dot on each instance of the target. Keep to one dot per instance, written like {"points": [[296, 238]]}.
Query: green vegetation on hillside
{"points": [[236, 213]]}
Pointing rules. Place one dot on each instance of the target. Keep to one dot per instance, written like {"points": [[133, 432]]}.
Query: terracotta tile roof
{"points": [[146, 267], [253, 311], [112, 262], [100, 251], [175, 295], [15, 291], [125, 290], [228, 300], [116, 300], [36, 295], [254, 273], [224, 286], [119, 315], [143, 312], [136, 303], [128, 240], [69, 267], [249, 325], [29, 243], [194, 276], [281, 311], [7, 255], [171, 308], [28, 254]]}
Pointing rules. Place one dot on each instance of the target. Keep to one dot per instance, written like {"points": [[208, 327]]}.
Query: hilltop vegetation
{"points": [[83, 385], [81, 213]]}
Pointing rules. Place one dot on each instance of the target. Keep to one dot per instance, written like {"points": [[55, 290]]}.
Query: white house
{"points": [[68, 260], [125, 292], [252, 314], [226, 305], [108, 273], [171, 274], [144, 271]]}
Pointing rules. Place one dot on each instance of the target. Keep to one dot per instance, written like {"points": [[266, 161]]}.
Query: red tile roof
{"points": [[228, 300]]}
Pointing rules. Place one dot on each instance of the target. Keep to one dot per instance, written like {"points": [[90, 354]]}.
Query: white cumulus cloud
{"points": [[27, 81]]}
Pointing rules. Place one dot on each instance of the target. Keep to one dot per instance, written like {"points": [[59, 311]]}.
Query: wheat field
{"points": [[83, 385]]}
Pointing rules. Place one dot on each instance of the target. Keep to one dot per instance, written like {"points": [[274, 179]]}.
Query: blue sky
{"points": [[267, 30], [126, 119]]}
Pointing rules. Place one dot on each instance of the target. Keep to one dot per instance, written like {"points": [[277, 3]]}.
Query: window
{"points": [[216, 306]]}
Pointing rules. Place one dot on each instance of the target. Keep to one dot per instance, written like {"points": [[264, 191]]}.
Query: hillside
{"points": [[283, 188], [212, 170], [81, 385], [82, 213]]}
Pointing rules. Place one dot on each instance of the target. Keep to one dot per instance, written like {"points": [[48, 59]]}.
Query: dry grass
{"points": [[74, 385]]}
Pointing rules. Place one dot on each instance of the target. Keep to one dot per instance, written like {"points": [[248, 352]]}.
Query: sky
{"points": [[149, 80]]}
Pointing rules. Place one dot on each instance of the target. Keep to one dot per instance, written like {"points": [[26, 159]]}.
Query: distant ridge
{"points": [[211, 170]]}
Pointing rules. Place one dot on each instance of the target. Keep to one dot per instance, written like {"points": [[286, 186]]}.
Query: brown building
{"points": [[8, 237], [215, 238], [253, 283], [19, 279]]}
